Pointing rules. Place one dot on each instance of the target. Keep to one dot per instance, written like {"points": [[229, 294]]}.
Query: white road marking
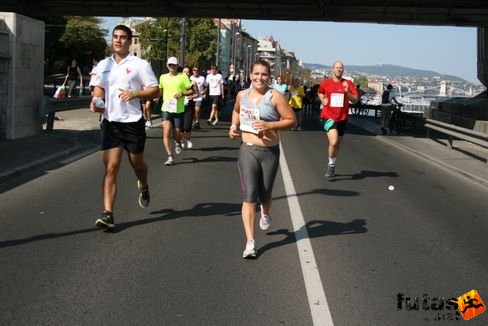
{"points": [[313, 284]]}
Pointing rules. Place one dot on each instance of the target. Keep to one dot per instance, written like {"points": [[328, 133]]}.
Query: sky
{"points": [[446, 50]]}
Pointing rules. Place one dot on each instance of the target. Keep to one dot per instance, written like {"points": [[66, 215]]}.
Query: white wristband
{"points": [[233, 127]]}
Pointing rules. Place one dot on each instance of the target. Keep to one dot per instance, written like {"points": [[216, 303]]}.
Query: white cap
{"points": [[172, 61]]}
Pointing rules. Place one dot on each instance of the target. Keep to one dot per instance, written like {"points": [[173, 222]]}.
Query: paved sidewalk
{"points": [[77, 131], [466, 159]]}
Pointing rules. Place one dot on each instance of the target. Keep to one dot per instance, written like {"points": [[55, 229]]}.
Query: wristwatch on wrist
{"points": [[233, 127]]}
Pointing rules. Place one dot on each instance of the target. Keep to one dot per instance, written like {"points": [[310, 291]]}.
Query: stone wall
{"points": [[21, 75]]}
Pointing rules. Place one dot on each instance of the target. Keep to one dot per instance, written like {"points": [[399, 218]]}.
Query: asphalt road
{"points": [[179, 262]]}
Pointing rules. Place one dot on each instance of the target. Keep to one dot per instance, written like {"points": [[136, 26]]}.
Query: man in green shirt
{"points": [[174, 87]]}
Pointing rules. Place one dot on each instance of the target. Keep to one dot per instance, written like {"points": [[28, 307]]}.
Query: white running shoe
{"points": [[250, 251], [265, 222], [189, 144], [177, 148], [183, 145], [148, 124], [169, 161]]}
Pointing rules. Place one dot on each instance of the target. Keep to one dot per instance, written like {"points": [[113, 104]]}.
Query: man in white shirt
{"points": [[388, 100], [201, 84], [122, 81], [215, 87]]}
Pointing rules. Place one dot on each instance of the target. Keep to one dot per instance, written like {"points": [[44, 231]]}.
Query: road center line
{"points": [[313, 284]]}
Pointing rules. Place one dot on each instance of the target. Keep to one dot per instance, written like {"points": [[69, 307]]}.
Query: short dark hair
{"points": [[390, 86], [261, 62], [124, 28]]}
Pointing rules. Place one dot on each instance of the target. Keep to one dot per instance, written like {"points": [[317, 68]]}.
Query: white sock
{"points": [[332, 160]]}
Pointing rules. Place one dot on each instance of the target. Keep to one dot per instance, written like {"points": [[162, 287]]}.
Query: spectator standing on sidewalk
{"points": [[259, 113], [72, 74], [123, 80], [175, 86], [335, 94], [388, 100]]}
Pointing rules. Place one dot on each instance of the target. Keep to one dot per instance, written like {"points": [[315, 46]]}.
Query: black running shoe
{"points": [[106, 221], [144, 197], [330, 171], [197, 125]]}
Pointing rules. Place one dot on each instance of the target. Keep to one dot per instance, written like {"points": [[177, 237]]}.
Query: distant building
{"points": [[237, 48], [376, 85], [317, 74]]}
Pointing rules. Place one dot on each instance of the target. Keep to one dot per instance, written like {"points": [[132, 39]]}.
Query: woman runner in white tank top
{"points": [[259, 113]]}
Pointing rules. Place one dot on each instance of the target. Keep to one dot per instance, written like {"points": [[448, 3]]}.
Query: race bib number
{"points": [[169, 105], [247, 116], [337, 100]]}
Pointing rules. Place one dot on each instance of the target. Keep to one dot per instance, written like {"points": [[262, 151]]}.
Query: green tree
{"points": [[362, 81], [53, 47], [84, 39], [202, 42], [161, 38], [72, 37]]}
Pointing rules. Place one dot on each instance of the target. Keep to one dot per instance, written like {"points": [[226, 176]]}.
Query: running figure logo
{"points": [[470, 305]]}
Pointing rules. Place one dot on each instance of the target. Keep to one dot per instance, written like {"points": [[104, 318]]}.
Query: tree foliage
{"points": [[72, 37], [362, 81], [161, 38]]}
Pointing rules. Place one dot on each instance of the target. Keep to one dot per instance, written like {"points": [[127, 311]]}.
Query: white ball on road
{"points": [[391, 188]]}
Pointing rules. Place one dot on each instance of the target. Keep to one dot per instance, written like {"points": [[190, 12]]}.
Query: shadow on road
{"points": [[202, 209], [211, 159], [363, 175], [316, 229]]}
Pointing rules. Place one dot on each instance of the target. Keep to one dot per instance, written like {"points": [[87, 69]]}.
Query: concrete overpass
{"points": [[21, 39], [426, 12]]}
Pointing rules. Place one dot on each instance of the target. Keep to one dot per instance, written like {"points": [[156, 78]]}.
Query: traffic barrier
{"points": [[49, 106], [453, 131]]}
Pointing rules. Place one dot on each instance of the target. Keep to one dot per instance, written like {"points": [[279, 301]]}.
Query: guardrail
{"points": [[51, 105], [453, 131]]}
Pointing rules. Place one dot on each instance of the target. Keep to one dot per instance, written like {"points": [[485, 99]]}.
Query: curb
{"points": [[429, 158], [16, 172], [451, 168]]}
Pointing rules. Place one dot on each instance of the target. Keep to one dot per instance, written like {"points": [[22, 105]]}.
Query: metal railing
{"points": [[453, 131], [49, 106]]}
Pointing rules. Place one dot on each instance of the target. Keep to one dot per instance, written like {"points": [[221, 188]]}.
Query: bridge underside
{"points": [[426, 12]]}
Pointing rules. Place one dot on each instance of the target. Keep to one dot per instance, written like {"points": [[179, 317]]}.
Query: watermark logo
{"points": [[470, 305], [441, 308]]}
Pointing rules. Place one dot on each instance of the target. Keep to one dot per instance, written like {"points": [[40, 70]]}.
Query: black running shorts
{"points": [[129, 135]]}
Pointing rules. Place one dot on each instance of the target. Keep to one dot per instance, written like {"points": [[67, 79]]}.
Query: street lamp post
{"points": [[217, 55], [248, 63], [165, 31], [236, 35], [183, 41]]}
